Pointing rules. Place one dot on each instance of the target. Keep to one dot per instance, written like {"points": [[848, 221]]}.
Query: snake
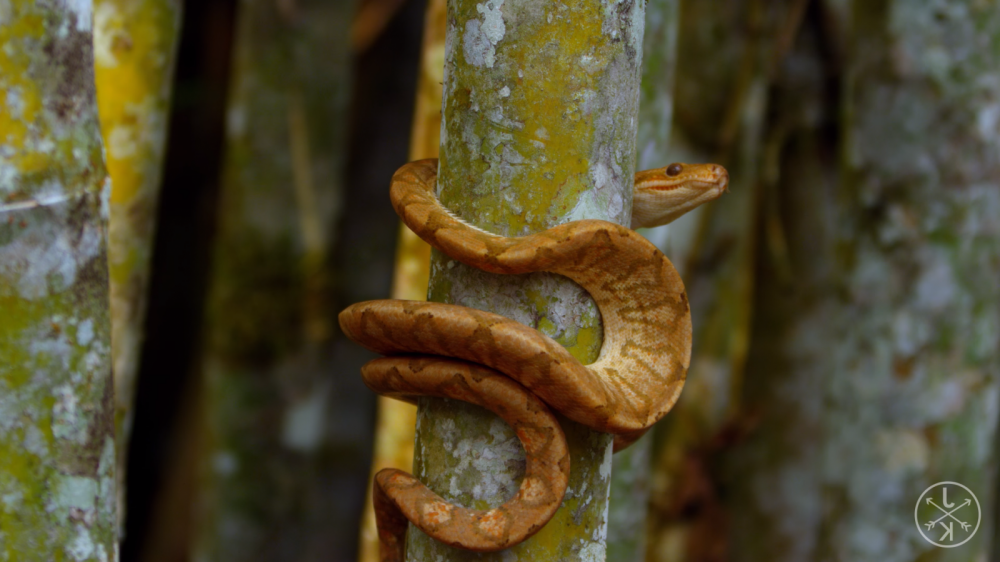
{"points": [[515, 371]]}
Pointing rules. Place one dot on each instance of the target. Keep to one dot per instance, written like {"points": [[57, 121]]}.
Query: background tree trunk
{"points": [[547, 143], [725, 62], [875, 356], [135, 43], [395, 425], [272, 453], [57, 449]]}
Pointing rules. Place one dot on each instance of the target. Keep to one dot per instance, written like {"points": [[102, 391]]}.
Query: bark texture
{"points": [[57, 449], [539, 116], [876, 369], [273, 455], [134, 46]]}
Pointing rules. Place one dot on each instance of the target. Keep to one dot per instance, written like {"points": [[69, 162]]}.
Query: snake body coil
{"points": [[517, 372]]}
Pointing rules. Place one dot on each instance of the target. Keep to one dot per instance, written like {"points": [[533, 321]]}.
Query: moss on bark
{"points": [[57, 450], [539, 116]]}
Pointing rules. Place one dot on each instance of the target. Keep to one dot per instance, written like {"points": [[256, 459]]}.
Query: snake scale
{"points": [[451, 351]]}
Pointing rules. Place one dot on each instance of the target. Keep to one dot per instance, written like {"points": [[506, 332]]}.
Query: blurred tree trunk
{"points": [[269, 463], [537, 136], [803, 160], [875, 352], [134, 46], [395, 425], [725, 63], [57, 449]]}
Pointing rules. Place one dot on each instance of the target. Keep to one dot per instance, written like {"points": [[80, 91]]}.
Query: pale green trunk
{"points": [[540, 109], [269, 459], [57, 449]]}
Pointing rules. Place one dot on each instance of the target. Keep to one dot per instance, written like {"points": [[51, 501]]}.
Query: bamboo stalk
{"points": [[722, 87], [539, 128], [135, 43]]}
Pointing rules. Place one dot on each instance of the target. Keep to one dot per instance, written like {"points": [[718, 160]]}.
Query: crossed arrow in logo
{"points": [[947, 520], [965, 526]]}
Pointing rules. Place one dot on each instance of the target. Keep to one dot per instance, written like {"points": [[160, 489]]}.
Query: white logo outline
{"points": [[948, 510]]}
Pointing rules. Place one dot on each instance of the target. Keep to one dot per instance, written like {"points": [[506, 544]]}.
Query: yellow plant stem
{"points": [[135, 42]]}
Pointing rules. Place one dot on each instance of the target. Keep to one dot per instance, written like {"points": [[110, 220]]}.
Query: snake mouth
{"points": [[722, 180], [717, 183], [714, 178]]}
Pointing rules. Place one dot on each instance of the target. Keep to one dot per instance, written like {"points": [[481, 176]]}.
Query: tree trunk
{"points": [[270, 463], [540, 108], [135, 43], [875, 351], [57, 449]]}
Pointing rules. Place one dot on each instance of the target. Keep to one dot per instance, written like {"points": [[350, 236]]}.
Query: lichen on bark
{"points": [[539, 117], [57, 450]]}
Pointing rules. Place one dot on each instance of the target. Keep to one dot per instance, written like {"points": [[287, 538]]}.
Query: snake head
{"points": [[664, 194]]}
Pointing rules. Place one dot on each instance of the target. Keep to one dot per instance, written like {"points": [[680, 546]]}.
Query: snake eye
{"points": [[674, 169]]}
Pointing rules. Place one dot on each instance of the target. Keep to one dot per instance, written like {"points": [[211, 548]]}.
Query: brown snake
{"points": [[516, 371]]}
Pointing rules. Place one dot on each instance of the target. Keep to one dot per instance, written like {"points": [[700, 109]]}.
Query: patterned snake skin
{"points": [[516, 371]]}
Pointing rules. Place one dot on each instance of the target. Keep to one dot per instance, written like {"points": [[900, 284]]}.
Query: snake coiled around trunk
{"points": [[517, 372]]}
